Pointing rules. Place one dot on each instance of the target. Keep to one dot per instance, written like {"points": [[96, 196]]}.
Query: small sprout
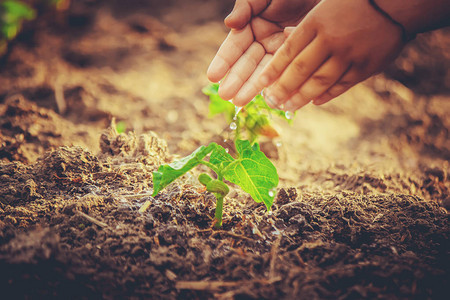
{"points": [[251, 170], [121, 126], [254, 119]]}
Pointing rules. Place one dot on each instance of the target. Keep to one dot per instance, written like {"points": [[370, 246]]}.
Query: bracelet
{"points": [[405, 36]]}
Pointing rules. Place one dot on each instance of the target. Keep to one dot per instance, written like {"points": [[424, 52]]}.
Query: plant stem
{"points": [[219, 210], [211, 166]]}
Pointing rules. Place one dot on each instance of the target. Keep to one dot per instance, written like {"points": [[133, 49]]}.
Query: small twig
{"points": [[273, 256], [145, 206], [59, 98], [171, 275], [215, 285], [92, 220], [136, 196], [205, 285], [239, 236]]}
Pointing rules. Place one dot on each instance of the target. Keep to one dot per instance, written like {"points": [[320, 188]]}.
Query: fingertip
{"points": [[217, 69], [242, 99], [288, 30], [227, 88], [239, 16], [239, 102], [321, 100], [212, 76], [271, 100], [295, 103]]}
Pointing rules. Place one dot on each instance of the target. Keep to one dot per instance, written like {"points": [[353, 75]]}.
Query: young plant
{"points": [[251, 170], [12, 14], [254, 119]]}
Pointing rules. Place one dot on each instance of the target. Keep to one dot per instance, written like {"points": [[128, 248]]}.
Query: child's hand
{"points": [[256, 33], [338, 44]]}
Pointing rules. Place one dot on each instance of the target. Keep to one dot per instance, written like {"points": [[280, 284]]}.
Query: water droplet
{"points": [[227, 150], [237, 109], [233, 125], [272, 192], [225, 140], [279, 144], [289, 115], [270, 212]]}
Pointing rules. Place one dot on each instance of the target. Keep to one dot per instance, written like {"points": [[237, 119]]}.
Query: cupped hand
{"points": [[256, 33], [338, 44]]}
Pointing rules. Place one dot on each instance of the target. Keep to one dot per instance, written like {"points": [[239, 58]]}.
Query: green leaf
{"points": [[15, 11], [217, 105], [168, 173], [10, 31], [121, 126], [253, 172], [220, 157]]}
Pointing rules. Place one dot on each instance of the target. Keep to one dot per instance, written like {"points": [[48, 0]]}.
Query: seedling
{"points": [[12, 15], [251, 170], [121, 126], [253, 120]]}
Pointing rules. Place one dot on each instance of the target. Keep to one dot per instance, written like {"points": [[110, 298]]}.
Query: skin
{"points": [[328, 50], [257, 31]]}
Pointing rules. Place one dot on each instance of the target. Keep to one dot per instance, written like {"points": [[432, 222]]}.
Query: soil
{"points": [[362, 206]]}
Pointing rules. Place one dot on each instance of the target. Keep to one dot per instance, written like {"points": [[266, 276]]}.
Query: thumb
{"points": [[240, 15], [243, 12]]}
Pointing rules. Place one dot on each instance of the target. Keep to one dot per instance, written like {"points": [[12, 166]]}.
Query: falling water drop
{"points": [[289, 115], [233, 125], [279, 144], [237, 109], [227, 150]]}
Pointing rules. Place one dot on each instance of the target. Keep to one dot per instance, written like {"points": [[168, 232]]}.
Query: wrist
{"points": [[417, 16], [405, 33]]}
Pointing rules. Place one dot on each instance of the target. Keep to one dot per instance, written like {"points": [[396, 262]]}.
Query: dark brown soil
{"points": [[362, 207]]}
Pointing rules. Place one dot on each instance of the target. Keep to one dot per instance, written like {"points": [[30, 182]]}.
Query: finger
{"points": [[248, 90], [301, 68], [296, 102], [269, 34], [288, 30], [349, 79], [236, 43], [296, 42], [243, 11], [241, 71], [318, 83]]}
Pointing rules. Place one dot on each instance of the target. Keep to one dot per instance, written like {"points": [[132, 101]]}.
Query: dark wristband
{"points": [[405, 36]]}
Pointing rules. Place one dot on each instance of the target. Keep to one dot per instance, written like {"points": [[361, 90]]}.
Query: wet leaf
{"points": [[253, 172]]}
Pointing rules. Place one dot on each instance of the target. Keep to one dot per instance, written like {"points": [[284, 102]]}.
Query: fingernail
{"points": [[289, 106], [317, 102], [272, 101]]}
